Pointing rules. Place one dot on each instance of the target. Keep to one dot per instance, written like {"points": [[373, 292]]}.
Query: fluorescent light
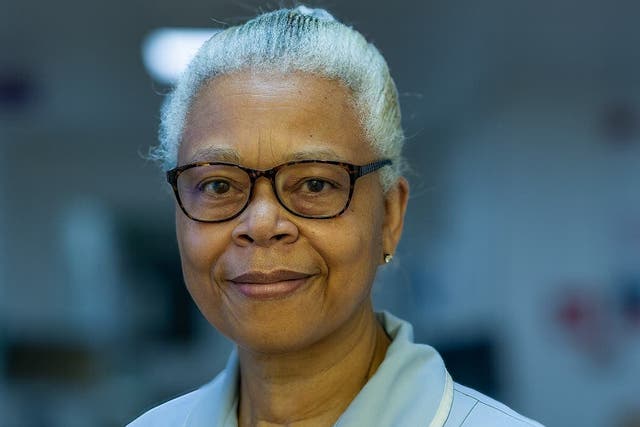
{"points": [[166, 52]]}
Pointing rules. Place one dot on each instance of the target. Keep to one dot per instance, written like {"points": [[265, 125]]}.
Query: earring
{"points": [[388, 258]]}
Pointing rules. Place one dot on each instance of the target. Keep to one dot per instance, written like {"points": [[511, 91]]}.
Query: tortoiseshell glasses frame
{"points": [[354, 172]]}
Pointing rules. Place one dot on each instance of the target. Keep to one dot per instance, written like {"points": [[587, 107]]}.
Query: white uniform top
{"points": [[410, 388]]}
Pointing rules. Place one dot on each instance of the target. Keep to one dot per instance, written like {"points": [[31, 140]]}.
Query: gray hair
{"points": [[289, 40]]}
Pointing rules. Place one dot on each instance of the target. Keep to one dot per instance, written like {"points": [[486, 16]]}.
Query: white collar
{"points": [[411, 387]]}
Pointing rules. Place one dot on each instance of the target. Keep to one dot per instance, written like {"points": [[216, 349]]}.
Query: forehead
{"points": [[260, 119]]}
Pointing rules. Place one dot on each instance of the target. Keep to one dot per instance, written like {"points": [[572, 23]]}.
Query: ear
{"points": [[395, 205]]}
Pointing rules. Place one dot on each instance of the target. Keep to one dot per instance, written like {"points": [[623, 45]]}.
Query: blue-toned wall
{"points": [[521, 254]]}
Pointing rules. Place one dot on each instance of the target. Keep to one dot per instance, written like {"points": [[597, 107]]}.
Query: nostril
{"points": [[280, 236], [246, 238]]}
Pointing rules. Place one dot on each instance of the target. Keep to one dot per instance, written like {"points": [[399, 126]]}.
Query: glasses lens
{"points": [[314, 189], [213, 192]]}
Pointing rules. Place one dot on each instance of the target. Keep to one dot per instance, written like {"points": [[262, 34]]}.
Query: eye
{"points": [[217, 186], [315, 185]]}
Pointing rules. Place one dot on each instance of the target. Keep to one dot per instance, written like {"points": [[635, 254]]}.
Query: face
{"points": [[269, 280]]}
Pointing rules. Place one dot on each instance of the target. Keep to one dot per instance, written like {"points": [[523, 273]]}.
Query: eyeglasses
{"points": [[216, 192]]}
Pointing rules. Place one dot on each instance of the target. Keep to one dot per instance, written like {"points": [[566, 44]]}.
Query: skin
{"points": [[303, 357]]}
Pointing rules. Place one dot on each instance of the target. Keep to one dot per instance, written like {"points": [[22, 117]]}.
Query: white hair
{"points": [[295, 40]]}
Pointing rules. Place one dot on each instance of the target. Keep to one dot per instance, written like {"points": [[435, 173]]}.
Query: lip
{"points": [[276, 284]]}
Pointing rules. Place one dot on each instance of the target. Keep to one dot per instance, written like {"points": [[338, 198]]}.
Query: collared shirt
{"points": [[410, 388]]}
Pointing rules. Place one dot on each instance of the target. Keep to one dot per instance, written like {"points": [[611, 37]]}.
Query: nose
{"points": [[264, 222]]}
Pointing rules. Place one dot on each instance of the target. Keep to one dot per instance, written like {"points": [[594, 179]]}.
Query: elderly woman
{"points": [[283, 147]]}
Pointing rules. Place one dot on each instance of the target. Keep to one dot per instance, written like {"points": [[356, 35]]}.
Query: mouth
{"points": [[269, 285]]}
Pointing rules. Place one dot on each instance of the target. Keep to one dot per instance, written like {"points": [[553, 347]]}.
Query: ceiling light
{"points": [[166, 52]]}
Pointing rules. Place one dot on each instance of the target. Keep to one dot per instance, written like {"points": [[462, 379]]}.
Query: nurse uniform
{"points": [[411, 388]]}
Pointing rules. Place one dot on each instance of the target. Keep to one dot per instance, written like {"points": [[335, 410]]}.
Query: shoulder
{"points": [[473, 409], [213, 404], [172, 413]]}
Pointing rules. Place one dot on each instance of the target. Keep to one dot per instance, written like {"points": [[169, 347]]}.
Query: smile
{"points": [[269, 285]]}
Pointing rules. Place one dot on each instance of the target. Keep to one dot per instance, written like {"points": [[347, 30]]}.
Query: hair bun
{"points": [[319, 14]]}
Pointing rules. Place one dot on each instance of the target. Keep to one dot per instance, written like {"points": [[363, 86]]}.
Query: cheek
{"points": [[367, 225], [199, 248], [355, 247]]}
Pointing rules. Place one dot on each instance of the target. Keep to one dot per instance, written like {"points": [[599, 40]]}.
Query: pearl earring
{"points": [[388, 258]]}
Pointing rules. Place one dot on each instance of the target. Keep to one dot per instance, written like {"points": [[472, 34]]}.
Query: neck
{"points": [[315, 385]]}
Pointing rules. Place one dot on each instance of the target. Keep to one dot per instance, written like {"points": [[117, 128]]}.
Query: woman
{"points": [[283, 144]]}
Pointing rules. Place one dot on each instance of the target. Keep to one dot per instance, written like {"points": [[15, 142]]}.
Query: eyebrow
{"points": [[315, 154], [229, 155], [216, 154]]}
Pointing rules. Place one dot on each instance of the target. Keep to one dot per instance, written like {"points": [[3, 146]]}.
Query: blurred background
{"points": [[521, 256]]}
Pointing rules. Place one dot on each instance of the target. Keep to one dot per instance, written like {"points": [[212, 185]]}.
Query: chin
{"points": [[275, 339]]}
